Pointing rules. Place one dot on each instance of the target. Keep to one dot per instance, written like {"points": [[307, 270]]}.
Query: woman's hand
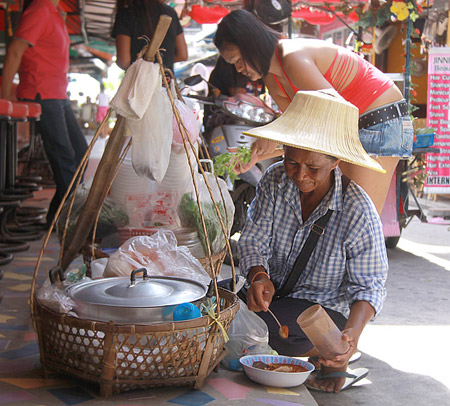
{"points": [[260, 293], [261, 150], [352, 337]]}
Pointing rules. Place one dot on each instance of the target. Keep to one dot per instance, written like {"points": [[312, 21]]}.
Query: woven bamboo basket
{"points": [[124, 357]]}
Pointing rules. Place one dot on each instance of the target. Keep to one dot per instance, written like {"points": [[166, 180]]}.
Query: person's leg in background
{"points": [[76, 135], [64, 145]]}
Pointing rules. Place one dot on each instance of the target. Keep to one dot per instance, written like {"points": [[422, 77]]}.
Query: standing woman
{"points": [[39, 51], [289, 65], [138, 18]]}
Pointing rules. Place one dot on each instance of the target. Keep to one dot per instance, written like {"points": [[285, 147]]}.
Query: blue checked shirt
{"points": [[349, 262]]}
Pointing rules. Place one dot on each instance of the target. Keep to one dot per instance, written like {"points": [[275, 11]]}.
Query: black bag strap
{"points": [[317, 229]]}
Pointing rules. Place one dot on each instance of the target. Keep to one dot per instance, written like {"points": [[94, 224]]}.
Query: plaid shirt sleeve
{"points": [[255, 242]]}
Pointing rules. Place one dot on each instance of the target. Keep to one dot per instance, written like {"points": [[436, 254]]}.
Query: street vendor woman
{"points": [[288, 65], [347, 269]]}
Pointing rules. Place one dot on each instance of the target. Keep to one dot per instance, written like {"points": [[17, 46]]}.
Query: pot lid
{"points": [[148, 291]]}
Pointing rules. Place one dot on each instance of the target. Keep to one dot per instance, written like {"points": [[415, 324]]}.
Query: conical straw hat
{"points": [[321, 122]]}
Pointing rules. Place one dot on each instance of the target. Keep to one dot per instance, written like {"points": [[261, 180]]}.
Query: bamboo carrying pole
{"points": [[107, 165]]}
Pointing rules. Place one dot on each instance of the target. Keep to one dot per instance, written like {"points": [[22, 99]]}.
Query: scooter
{"points": [[240, 113]]}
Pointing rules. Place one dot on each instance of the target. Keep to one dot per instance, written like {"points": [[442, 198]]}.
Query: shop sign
{"points": [[438, 117]]}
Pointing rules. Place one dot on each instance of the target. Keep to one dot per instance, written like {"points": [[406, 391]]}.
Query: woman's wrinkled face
{"points": [[232, 54], [309, 171]]}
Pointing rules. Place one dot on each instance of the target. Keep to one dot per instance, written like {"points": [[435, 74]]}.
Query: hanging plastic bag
{"points": [[248, 335], [152, 138], [190, 214], [190, 122], [158, 253]]}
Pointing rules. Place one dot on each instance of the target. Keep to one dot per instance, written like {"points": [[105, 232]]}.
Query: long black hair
{"points": [[255, 40]]}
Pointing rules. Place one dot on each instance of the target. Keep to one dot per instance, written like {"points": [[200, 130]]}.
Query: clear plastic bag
{"points": [[190, 214], [190, 122], [158, 253], [248, 335], [54, 298], [157, 209]]}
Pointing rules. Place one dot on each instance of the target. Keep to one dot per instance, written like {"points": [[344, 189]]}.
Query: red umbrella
{"points": [[208, 15], [313, 16], [315, 2]]}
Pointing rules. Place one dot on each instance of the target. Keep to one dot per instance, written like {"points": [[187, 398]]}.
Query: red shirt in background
{"points": [[45, 63]]}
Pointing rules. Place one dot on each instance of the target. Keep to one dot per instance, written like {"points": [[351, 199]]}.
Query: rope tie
{"points": [[211, 313]]}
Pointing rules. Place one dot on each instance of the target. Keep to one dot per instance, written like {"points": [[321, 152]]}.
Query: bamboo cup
{"points": [[322, 332]]}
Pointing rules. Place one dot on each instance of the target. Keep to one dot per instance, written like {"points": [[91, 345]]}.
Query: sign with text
{"points": [[438, 105]]}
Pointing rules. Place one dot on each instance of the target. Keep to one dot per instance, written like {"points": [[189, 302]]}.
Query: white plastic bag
{"points": [[158, 253], [152, 138], [248, 335]]}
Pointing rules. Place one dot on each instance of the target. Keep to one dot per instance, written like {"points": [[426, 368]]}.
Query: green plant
{"points": [[225, 163]]}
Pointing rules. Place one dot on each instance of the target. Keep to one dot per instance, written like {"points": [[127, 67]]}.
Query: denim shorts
{"points": [[391, 138]]}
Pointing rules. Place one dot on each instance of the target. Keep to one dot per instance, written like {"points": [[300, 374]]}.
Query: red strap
{"points": [[294, 88], [281, 87]]}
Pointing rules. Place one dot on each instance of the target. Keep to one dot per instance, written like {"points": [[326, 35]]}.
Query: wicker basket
{"points": [[124, 357]]}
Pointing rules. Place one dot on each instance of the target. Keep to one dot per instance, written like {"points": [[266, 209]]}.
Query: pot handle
{"points": [[136, 271], [52, 274]]}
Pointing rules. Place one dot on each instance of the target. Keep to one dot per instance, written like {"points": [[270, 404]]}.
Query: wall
{"points": [[396, 63]]}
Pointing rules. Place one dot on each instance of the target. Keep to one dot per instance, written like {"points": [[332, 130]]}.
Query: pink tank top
{"points": [[367, 85]]}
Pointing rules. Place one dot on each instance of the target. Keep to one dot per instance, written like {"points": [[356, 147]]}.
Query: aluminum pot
{"points": [[123, 300]]}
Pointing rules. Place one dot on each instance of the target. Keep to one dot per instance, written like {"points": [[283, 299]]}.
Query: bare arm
{"points": [[361, 312], [123, 48], [16, 49], [181, 51]]}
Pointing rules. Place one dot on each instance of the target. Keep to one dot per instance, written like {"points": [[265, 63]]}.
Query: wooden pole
{"points": [[107, 165]]}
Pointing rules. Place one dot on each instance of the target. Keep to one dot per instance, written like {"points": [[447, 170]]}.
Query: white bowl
{"points": [[272, 378]]}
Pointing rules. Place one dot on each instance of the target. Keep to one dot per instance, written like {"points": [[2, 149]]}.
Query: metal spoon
{"points": [[284, 330]]}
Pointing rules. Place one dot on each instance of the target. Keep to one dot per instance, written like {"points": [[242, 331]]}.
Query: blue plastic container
{"points": [[423, 140]]}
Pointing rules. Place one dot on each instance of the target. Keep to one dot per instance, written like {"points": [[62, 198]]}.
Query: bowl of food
{"points": [[276, 370]]}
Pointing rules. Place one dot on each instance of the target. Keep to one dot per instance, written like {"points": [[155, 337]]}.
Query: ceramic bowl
{"points": [[272, 378]]}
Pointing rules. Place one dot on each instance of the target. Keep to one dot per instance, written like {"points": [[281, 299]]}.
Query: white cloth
{"points": [[141, 80]]}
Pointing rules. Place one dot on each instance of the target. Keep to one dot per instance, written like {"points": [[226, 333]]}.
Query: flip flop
{"points": [[352, 376]]}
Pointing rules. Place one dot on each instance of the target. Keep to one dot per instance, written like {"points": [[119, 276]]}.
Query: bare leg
{"points": [[374, 183]]}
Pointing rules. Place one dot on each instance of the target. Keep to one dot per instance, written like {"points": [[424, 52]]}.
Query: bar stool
{"points": [[10, 228], [34, 115], [35, 162], [31, 214], [19, 113], [5, 256]]}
